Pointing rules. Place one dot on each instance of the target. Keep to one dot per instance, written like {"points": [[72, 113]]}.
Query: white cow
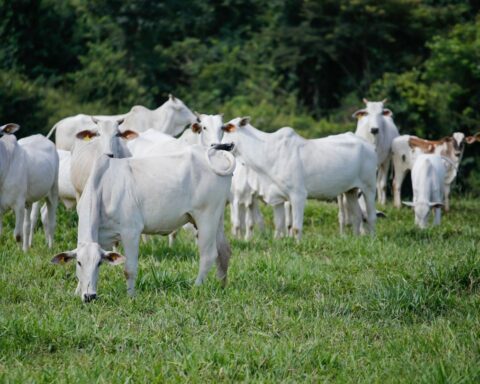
{"points": [[404, 147], [105, 138], [298, 168], [375, 124], [170, 118], [28, 173], [205, 131], [154, 195], [428, 175]]}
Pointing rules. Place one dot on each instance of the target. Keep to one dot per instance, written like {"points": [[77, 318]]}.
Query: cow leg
{"points": [[249, 222], [438, 216], [382, 183], [19, 218], [52, 204], [447, 198], [33, 221], [207, 244], [171, 238], [397, 187], [279, 220], [341, 214], [371, 212], [257, 214], [26, 227], [353, 209], [235, 218], [288, 218], [298, 207], [224, 252], [131, 243]]}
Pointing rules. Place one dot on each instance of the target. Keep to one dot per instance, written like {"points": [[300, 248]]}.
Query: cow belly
{"points": [[165, 224]]}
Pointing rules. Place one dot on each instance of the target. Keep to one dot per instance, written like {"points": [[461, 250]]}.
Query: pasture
{"points": [[401, 307]]}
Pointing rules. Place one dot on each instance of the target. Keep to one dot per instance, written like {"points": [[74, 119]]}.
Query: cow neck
{"points": [[252, 147], [8, 143]]}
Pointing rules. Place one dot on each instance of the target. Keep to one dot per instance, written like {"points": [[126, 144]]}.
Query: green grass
{"points": [[401, 307]]}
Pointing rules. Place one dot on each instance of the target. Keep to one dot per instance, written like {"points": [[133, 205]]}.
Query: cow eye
{"points": [[79, 264], [204, 128]]}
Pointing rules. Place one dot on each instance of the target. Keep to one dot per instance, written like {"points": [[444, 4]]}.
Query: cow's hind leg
{"points": [[207, 241], [33, 221], [298, 207], [26, 227], [224, 253], [353, 209], [371, 213], [279, 220], [257, 214]]}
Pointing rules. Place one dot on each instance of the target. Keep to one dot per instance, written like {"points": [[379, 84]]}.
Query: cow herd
{"points": [[143, 173]]}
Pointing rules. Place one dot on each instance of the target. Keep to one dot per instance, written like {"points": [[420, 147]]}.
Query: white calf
{"points": [[428, 175]]}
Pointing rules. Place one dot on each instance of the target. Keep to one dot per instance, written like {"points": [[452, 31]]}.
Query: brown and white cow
{"points": [[405, 148]]}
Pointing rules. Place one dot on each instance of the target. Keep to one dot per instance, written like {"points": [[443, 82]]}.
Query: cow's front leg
{"points": [[19, 217], [298, 207], [26, 227], [382, 183], [279, 220], [130, 244]]}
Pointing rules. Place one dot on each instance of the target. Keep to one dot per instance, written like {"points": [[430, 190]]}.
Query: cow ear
{"points": [[196, 128], [64, 257], [113, 258], [10, 128], [244, 121], [229, 128], [472, 139], [359, 114], [129, 135], [171, 97], [86, 135], [387, 112], [435, 205], [94, 119], [408, 203]]}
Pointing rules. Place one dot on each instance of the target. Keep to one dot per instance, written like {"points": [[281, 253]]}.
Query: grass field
{"points": [[401, 307]]}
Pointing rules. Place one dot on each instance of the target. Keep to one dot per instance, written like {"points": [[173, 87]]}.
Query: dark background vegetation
{"points": [[306, 64]]}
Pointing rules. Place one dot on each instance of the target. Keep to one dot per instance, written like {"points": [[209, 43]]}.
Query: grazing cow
{"points": [[375, 124], [28, 173], [106, 138], [428, 175], [297, 168], [127, 197], [404, 148], [170, 118]]}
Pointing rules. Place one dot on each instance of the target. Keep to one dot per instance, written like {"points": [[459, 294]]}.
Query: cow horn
{"points": [[365, 100], [384, 101]]}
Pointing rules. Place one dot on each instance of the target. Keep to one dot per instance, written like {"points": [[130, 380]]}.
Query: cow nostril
{"points": [[89, 297], [374, 131], [110, 155]]}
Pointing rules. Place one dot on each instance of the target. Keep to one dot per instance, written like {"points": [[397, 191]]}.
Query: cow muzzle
{"points": [[88, 297], [223, 147], [374, 131]]}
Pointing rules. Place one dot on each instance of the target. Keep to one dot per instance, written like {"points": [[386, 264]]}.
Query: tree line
{"points": [[302, 63]]}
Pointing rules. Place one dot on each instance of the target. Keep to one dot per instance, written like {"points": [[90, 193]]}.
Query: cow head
{"points": [[9, 129], [232, 128], [422, 211], [109, 136], [209, 127], [371, 120], [89, 257], [177, 115]]}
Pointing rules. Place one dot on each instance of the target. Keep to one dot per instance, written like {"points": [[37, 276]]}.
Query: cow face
{"points": [[231, 130], [109, 136], [210, 129], [458, 144], [89, 257], [371, 120], [422, 211], [178, 114]]}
